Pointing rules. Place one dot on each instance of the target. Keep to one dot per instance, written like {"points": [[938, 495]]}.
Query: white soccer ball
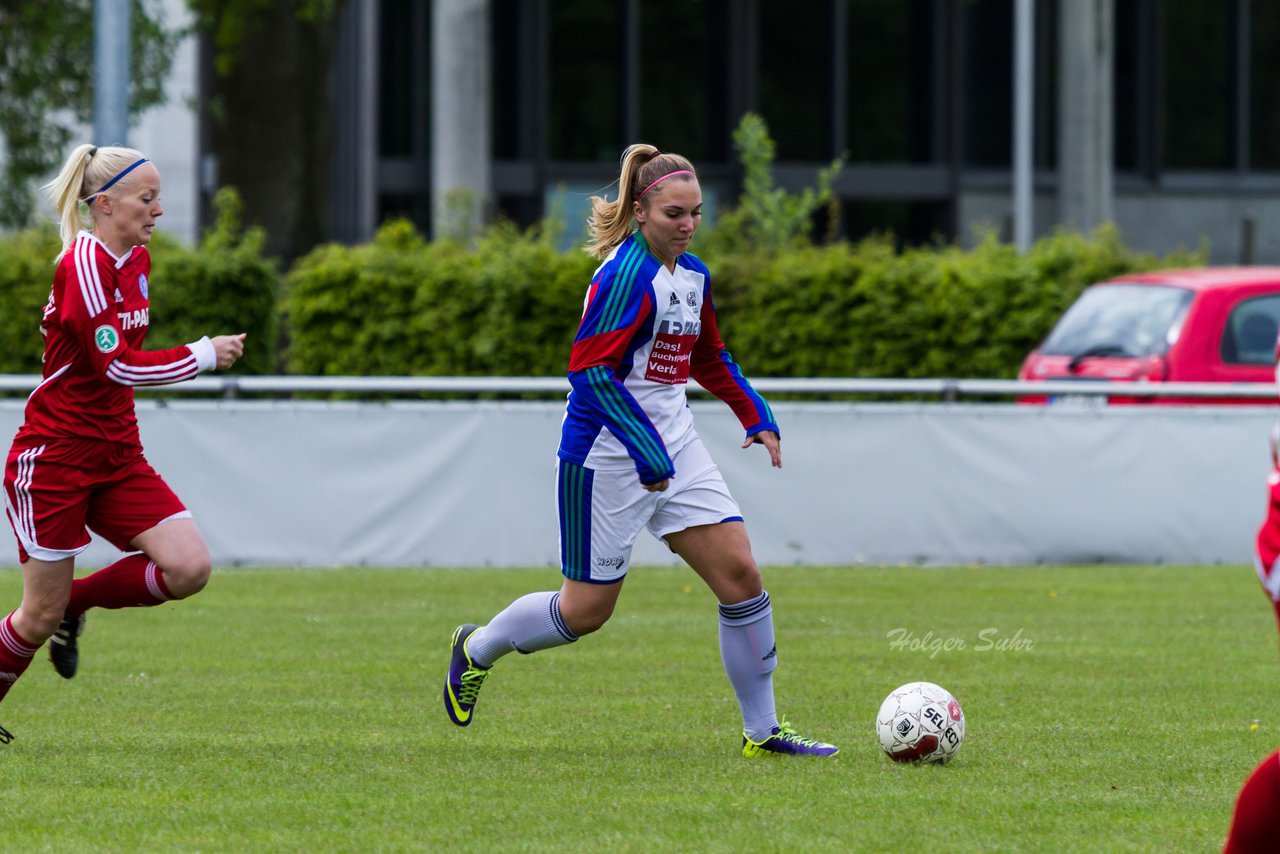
{"points": [[920, 722]]}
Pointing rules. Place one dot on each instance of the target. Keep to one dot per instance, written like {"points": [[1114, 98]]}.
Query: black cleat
{"points": [[5, 736], [63, 651]]}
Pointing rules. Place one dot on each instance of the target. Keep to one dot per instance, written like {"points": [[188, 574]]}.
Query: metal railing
{"points": [[941, 388]]}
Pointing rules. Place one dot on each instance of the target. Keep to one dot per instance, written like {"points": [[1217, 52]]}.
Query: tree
{"points": [[46, 87], [270, 119]]}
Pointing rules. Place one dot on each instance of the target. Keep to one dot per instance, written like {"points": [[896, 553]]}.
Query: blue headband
{"points": [[112, 182]]}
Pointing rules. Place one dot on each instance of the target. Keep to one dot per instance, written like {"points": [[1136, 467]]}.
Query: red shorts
{"points": [[57, 490]]}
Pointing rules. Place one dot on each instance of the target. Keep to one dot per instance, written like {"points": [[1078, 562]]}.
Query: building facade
{"points": [[521, 109]]}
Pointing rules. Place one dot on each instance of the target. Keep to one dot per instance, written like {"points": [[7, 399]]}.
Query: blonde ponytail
{"points": [[87, 170], [643, 166]]}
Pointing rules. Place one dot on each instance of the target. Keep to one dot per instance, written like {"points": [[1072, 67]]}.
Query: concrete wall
{"points": [[1158, 222], [470, 484]]}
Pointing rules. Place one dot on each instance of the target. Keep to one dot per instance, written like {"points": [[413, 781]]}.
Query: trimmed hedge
{"points": [[510, 307], [862, 310], [507, 307], [223, 286], [26, 274]]}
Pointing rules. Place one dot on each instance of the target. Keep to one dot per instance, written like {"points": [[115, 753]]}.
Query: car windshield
{"points": [[1120, 320]]}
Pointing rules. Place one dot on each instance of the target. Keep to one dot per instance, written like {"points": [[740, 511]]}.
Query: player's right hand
{"points": [[228, 348], [660, 486]]}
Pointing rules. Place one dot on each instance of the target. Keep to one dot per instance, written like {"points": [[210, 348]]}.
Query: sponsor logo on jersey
{"points": [[119, 296], [692, 299], [142, 285], [677, 327], [669, 356], [134, 319], [675, 300], [615, 562], [106, 338]]}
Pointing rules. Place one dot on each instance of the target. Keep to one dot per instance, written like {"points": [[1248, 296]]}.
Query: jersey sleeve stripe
{"points": [[153, 375], [620, 418], [95, 298], [620, 292]]}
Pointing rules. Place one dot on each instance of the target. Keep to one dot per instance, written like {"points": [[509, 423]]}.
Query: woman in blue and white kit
{"points": [[631, 459]]}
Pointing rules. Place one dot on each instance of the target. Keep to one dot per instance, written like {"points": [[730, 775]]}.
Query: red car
{"points": [[1214, 324]]}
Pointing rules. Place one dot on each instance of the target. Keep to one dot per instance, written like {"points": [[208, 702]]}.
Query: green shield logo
{"points": [[106, 338]]}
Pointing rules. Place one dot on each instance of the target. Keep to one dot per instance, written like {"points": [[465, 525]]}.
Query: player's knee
{"points": [[187, 573], [40, 620], [584, 621], [741, 582]]}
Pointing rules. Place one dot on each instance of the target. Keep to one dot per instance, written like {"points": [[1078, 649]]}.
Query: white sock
{"points": [[750, 656], [530, 623]]}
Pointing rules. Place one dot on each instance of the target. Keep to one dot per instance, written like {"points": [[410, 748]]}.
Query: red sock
{"points": [[15, 655], [131, 582], [1255, 827]]}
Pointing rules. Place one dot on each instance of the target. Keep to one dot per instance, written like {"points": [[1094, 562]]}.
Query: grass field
{"points": [[1108, 709]]}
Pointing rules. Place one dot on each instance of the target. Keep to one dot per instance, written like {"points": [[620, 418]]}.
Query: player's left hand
{"points": [[771, 441]]}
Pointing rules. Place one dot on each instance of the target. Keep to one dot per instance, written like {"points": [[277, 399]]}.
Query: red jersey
{"points": [[94, 325], [1268, 539]]}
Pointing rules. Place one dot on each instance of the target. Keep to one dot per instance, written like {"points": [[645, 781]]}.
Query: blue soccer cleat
{"points": [[786, 742], [462, 685]]}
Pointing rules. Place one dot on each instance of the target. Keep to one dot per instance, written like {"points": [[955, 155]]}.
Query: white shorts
{"points": [[602, 511]]}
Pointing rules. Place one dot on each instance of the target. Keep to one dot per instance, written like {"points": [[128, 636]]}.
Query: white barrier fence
{"points": [[469, 483]]}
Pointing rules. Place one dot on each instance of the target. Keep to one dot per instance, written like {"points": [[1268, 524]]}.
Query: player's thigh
{"points": [[601, 512], [702, 523], [720, 553], [46, 589], [137, 500]]}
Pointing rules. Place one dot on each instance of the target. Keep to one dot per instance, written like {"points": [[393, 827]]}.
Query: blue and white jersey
{"points": [[645, 330]]}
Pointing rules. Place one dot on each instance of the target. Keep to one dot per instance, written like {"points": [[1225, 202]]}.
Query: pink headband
{"points": [[660, 180]]}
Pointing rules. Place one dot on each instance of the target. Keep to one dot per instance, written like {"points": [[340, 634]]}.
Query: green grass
{"points": [[299, 710]]}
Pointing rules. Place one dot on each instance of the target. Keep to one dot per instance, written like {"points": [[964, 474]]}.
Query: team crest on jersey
{"points": [[106, 338], [692, 299], [142, 285]]}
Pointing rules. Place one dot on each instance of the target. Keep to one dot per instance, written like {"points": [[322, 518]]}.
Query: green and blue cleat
{"points": [[786, 742], [462, 685]]}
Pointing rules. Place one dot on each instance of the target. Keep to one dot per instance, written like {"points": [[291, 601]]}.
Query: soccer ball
{"points": [[920, 722]]}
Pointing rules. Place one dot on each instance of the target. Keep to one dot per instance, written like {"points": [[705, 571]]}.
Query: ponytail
{"points": [[89, 171], [644, 167]]}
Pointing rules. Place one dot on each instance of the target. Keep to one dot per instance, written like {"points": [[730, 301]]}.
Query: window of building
{"points": [[795, 78], [585, 101], [1198, 94], [911, 223], [513, 102], [893, 50], [403, 74], [682, 55], [988, 82], [1264, 86]]}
